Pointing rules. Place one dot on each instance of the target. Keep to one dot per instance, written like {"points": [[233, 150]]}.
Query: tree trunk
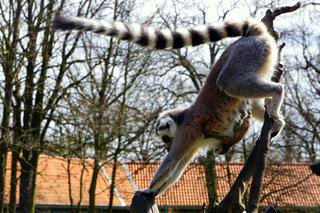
{"points": [[72, 209], [13, 181], [29, 165], [3, 158], [211, 176], [4, 140], [112, 185], [92, 190], [113, 175], [81, 185]]}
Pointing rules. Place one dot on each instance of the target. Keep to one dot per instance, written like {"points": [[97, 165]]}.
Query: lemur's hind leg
{"points": [[253, 87], [245, 74]]}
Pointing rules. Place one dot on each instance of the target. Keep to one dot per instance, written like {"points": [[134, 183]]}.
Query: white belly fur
{"points": [[211, 142]]}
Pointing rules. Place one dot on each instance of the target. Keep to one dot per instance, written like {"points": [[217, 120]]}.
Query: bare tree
{"points": [[28, 47], [302, 108]]}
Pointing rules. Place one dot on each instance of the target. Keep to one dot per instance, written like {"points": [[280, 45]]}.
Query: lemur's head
{"points": [[167, 125]]}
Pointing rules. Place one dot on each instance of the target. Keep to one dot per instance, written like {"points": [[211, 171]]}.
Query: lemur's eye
{"points": [[162, 127]]}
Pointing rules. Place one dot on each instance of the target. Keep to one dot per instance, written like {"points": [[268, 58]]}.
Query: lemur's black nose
{"points": [[166, 139]]}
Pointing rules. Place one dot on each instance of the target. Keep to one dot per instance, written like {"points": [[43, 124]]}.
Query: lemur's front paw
{"points": [[145, 192], [278, 125]]}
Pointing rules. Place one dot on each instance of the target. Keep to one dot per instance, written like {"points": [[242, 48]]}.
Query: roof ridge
{"points": [[129, 176], [108, 179]]}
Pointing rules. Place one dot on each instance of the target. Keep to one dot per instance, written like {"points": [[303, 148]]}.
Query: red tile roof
{"points": [[53, 185], [285, 184]]}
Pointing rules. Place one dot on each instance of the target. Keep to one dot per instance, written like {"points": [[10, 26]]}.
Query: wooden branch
{"points": [[256, 162], [261, 159], [315, 168], [270, 16], [265, 136], [262, 145]]}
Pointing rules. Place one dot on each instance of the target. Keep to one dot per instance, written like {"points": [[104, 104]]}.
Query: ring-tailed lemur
{"points": [[242, 73]]}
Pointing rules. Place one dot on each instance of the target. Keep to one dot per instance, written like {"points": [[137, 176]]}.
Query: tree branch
{"points": [[270, 16]]}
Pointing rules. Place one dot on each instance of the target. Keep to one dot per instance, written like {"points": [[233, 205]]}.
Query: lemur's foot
{"points": [[273, 112], [244, 119], [278, 125], [272, 108]]}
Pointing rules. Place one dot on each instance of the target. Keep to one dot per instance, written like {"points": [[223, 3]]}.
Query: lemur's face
{"points": [[166, 129]]}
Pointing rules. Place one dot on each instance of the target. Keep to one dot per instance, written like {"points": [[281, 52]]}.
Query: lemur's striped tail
{"points": [[164, 38]]}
